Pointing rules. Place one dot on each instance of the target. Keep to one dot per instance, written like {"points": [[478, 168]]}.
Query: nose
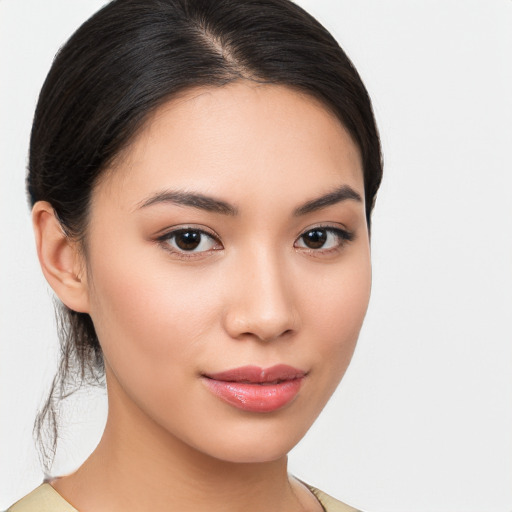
{"points": [[261, 301]]}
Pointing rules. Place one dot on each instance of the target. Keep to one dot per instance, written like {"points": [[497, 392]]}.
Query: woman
{"points": [[202, 175]]}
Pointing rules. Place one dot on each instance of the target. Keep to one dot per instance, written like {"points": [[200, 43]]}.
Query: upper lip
{"points": [[258, 375]]}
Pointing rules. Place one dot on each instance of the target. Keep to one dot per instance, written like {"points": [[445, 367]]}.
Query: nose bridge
{"points": [[262, 304]]}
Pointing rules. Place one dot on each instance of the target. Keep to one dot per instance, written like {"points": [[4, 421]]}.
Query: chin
{"points": [[252, 453], [253, 444]]}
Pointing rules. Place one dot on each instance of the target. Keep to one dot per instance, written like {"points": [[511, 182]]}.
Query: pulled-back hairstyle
{"points": [[126, 61]]}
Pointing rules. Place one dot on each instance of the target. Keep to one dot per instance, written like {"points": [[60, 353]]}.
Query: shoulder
{"points": [[329, 503], [46, 499], [43, 499]]}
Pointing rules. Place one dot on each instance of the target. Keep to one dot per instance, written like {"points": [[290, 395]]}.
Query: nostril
{"points": [[275, 336]]}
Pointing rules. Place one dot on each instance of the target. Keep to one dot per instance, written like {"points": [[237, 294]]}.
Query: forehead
{"points": [[245, 136]]}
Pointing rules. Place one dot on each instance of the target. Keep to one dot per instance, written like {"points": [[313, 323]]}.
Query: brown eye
{"points": [[187, 240], [190, 240], [320, 238], [315, 238]]}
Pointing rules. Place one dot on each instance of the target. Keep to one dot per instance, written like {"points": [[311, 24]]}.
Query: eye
{"points": [[190, 240], [323, 238]]}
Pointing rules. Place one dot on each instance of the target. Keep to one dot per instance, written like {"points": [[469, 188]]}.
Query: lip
{"points": [[256, 389]]}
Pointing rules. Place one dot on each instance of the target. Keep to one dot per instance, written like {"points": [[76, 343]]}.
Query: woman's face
{"points": [[228, 269]]}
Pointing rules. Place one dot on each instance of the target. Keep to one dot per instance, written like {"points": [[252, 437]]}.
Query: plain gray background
{"points": [[423, 419]]}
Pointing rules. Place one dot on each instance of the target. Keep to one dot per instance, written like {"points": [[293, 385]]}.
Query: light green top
{"points": [[46, 499]]}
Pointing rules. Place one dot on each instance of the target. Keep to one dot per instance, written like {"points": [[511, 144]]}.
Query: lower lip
{"points": [[255, 397]]}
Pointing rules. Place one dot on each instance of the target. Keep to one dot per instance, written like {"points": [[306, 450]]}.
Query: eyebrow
{"points": [[211, 204], [338, 195], [192, 199]]}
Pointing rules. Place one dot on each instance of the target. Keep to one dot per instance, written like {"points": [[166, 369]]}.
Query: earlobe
{"points": [[60, 258]]}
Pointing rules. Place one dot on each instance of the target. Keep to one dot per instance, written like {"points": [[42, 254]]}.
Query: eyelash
{"points": [[166, 239], [342, 238]]}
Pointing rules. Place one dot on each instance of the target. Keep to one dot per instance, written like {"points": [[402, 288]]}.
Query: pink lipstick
{"points": [[255, 389]]}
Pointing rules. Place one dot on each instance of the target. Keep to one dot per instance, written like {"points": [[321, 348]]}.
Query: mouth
{"points": [[256, 389]]}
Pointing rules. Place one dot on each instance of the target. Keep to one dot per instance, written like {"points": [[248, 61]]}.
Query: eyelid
{"points": [[171, 231], [333, 227], [345, 235]]}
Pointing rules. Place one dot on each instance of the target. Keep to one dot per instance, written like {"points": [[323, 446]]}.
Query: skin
{"points": [[254, 293]]}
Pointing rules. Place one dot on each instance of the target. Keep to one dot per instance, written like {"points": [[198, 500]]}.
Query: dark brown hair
{"points": [[121, 65]]}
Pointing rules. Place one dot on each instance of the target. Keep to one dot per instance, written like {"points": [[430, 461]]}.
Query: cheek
{"points": [[336, 306], [152, 322], [148, 313]]}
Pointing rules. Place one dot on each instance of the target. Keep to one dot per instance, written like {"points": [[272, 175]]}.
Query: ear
{"points": [[60, 258]]}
